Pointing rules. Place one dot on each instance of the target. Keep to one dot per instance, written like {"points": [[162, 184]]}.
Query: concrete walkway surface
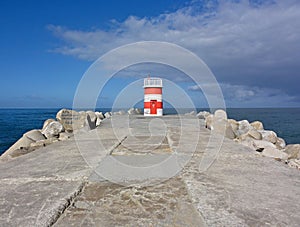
{"points": [[137, 171]]}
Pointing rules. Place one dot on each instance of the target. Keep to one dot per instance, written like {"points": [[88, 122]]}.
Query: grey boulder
{"points": [[274, 153], [209, 121], [64, 136], [23, 143], [269, 135], [280, 143], [220, 114], [34, 135], [71, 120], [221, 126], [257, 125], [294, 163], [47, 122], [244, 127], [293, 151], [262, 144], [131, 111], [234, 125], [138, 111], [53, 129], [255, 134], [92, 115], [202, 114], [89, 123], [107, 115], [100, 115], [98, 122]]}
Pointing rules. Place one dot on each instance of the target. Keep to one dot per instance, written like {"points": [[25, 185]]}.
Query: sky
{"points": [[251, 47]]}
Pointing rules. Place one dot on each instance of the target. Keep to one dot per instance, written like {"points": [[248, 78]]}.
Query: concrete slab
{"points": [[37, 202], [110, 204]]}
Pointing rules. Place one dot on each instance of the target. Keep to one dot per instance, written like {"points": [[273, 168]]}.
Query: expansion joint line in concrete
{"points": [[68, 202], [117, 145]]}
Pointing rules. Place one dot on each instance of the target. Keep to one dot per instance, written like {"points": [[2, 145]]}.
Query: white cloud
{"points": [[263, 35], [243, 43], [249, 96]]}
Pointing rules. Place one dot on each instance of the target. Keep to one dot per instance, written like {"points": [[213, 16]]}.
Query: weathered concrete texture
{"points": [[243, 188], [35, 188], [35, 202], [56, 184], [110, 204]]}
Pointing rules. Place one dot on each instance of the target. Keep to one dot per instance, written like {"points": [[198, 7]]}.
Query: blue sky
{"points": [[253, 48]]}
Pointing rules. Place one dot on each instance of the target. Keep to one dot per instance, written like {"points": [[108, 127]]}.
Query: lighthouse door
{"points": [[153, 107]]}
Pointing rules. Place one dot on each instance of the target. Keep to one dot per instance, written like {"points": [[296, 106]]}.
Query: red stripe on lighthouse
{"points": [[147, 105], [153, 90]]}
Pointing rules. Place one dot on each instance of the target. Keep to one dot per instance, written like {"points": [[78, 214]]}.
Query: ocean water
{"points": [[284, 121]]}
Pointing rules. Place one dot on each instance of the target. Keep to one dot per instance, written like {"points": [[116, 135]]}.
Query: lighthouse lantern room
{"points": [[153, 105]]}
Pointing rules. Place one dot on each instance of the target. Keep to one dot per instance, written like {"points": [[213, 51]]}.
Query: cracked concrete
{"points": [[57, 185]]}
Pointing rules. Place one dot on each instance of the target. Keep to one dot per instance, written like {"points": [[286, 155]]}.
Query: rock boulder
{"points": [[92, 115], [98, 122], [274, 153], [120, 112], [131, 111], [234, 125], [251, 134], [47, 122], [221, 126], [100, 115], [269, 135], [248, 142], [71, 120], [209, 121], [220, 114], [244, 127], [23, 143], [280, 143], [255, 134], [262, 144], [257, 125], [294, 163], [64, 136], [52, 129], [293, 151], [107, 115], [89, 124], [42, 143], [138, 111], [202, 114], [34, 135]]}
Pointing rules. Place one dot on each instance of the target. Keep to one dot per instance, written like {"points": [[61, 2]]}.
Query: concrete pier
{"points": [[124, 174]]}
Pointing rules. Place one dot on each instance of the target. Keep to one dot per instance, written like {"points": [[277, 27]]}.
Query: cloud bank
{"points": [[246, 44]]}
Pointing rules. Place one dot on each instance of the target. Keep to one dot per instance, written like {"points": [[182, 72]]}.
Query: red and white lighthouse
{"points": [[153, 105]]}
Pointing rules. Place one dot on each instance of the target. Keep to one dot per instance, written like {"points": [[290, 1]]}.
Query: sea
{"points": [[284, 121]]}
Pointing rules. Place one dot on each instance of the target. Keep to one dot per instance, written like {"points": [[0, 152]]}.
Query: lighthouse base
{"points": [[149, 112]]}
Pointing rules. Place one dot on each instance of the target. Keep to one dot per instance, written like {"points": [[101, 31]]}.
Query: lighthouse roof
{"points": [[152, 82]]}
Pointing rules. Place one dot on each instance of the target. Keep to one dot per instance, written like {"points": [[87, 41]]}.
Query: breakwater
{"points": [[284, 121], [64, 183]]}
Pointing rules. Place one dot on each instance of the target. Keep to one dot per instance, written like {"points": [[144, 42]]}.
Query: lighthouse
{"points": [[153, 105]]}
